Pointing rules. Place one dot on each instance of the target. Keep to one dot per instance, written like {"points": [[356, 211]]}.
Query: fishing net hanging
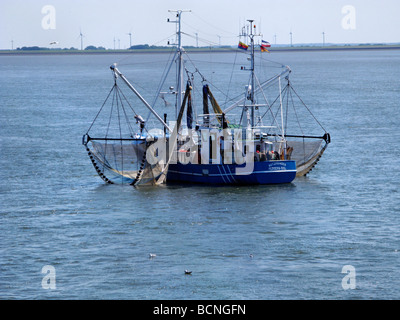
{"points": [[116, 146]]}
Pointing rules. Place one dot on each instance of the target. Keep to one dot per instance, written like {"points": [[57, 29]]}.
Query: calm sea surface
{"points": [[262, 242]]}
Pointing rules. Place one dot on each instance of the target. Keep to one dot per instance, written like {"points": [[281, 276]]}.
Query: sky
{"points": [[39, 23]]}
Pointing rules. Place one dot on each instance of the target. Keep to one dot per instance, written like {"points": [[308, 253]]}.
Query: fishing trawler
{"points": [[211, 145]]}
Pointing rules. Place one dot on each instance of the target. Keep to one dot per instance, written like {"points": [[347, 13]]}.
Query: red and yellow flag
{"points": [[243, 46]]}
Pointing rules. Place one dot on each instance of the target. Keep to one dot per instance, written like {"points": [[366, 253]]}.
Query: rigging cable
{"points": [[291, 87], [166, 71], [105, 101], [271, 105], [230, 80]]}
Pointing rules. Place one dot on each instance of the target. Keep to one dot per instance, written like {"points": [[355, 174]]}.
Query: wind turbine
{"points": [[81, 36], [130, 39], [323, 39]]}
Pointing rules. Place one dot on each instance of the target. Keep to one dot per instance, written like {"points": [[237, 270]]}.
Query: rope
{"points": [[308, 109], [163, 79], [270, 107], [120, 135], [133, 110], [101, 108], [295, 112], [128, 123], [230, 79]]}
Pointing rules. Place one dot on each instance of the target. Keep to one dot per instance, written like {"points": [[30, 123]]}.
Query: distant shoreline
{"points": [[298, 48]]}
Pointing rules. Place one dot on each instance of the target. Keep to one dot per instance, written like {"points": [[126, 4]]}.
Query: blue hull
{"points": [[267, 172]]}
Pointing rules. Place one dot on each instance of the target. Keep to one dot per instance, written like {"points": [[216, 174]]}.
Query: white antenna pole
{"points": [[251, 35], [280, 98], [180, 61]]}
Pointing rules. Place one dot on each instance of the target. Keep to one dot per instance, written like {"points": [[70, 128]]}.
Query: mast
{"points": [[250, 93], [251, 35], [179, 60]]}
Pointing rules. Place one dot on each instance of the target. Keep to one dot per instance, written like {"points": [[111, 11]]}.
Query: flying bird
{"points": [[54, 42]]}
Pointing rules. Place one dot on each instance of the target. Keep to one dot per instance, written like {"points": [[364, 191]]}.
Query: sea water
{"points": [[64, 234]]}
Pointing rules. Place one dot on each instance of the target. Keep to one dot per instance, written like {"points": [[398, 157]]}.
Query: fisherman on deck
{"points": [[141, 121]]}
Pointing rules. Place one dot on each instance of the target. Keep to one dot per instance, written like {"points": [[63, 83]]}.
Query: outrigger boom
{"points": [[130, 86]]}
